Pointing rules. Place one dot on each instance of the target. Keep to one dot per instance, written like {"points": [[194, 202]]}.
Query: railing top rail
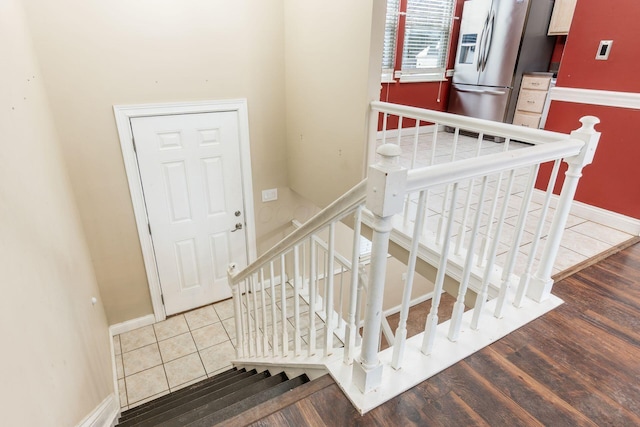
{"points": [[336, 210], [461, 170], [505, 130]]}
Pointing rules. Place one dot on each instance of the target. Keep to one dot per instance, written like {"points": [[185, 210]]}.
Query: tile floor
{"points": [[186, 348], [582, 239], [157, 359]]}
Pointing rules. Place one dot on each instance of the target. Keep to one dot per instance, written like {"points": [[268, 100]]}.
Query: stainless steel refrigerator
{"points": [[499, 41]]}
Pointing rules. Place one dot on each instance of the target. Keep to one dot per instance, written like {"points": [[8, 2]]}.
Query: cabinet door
{"points": [[531, 100], [527, 120], [535, 82], [561, 17]]}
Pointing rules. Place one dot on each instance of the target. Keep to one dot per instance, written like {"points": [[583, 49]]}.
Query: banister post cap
{"points": [[589, 123], [390, 155], [389, 150]]}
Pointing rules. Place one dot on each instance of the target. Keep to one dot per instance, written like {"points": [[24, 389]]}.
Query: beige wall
{"points": [[332, 56], [55, 354], [96, 54]]}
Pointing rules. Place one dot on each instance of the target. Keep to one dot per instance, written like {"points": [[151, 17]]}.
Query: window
{"points": [[422, 28]]}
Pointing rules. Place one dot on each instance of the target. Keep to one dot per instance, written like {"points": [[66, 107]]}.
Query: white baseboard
{"points": [[130, 325], [610, 219], [393, 133], [114, 372], [104, 415], [593, 213]]}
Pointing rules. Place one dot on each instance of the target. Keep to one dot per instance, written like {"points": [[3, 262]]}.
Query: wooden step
{"points": [[217, 381], [185, 417], [194, 400], [250, 402]]}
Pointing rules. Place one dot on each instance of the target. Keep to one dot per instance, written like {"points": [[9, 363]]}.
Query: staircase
{"points": [[463, 219], [213, 400]]}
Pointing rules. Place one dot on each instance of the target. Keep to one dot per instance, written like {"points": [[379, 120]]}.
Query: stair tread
{"points": [[216, 381], [189, 403], [196, 412], [278, 403], [250, 402]]}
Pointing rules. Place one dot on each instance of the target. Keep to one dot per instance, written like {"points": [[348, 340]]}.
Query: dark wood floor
{"points": [[577, 365]]}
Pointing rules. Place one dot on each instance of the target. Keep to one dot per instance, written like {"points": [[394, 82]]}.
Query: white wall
{"points": [[54, 364]]}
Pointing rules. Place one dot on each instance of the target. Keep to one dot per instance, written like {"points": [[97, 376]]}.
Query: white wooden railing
{"points": [[453, 215]]}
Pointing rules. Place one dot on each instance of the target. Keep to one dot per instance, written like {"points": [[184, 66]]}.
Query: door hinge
{"points": [[162, 298], [133, 141], [149, 226]]}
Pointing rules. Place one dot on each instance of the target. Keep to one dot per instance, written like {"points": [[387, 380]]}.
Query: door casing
{"points": [[123, 114]]}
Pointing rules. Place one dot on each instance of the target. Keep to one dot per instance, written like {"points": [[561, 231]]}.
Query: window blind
{"points": [[426, 38], [390, 39]]}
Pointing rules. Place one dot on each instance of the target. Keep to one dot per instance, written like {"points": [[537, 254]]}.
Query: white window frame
{"points": [[415, 11]]}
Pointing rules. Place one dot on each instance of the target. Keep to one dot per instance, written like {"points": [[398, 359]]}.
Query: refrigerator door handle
{"points": [[489, 41], [487, 91], [481, 43]]}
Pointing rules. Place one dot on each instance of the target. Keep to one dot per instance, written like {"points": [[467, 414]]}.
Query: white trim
{"points": [[104, 415], [130, 325], [596, 97], [114, 372], [593, 213], [123, 114], [410, 131]]}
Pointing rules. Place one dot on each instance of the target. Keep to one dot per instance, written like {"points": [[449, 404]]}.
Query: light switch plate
{"points": [[603, 50], [270, 195]]}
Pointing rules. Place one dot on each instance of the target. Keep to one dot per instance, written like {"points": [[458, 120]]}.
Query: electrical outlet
{"points": [[270, 195], [603, 50]]}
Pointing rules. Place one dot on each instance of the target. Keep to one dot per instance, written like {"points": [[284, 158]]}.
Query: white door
{"points": [[192, 182]]}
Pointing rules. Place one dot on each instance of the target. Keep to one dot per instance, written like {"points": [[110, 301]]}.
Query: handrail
{"points": [[518, 133], [465, 169], [335, 210], [469, 202]]}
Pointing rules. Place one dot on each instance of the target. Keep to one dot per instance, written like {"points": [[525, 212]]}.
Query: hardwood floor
{"points": [[577, 365]]}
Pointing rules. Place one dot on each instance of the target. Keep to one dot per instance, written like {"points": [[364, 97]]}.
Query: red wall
{"points": [[613, 181], [431, 95], [596, 20]]}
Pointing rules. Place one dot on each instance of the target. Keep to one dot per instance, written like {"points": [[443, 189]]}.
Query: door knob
{"points": [[238, 227], [238, 213]]}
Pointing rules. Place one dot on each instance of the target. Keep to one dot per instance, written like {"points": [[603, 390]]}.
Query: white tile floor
{"points": [[186, 348], [167, 356], [582, 239]]}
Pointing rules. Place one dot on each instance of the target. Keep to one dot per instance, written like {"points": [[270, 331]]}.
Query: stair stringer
{"points": [[314, 366]]}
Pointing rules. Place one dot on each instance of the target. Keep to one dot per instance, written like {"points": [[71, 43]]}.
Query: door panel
{"points": [[471, 40], [191, 177], [479, 101], [507, 18]]}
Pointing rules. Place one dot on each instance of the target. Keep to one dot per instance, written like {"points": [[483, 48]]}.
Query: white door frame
{"points": [[123, 114]]}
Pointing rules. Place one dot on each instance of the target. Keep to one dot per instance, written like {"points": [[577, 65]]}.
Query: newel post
{"points": [[386, 183], [232, 271], [541, 282]]}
